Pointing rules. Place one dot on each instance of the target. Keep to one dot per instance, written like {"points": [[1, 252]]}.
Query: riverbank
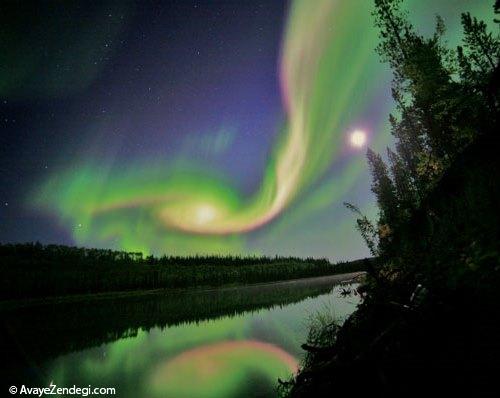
{"points": [[429, 322], [14, 304], [148, 330], [430, 319], [31, 271], [32, 335]]}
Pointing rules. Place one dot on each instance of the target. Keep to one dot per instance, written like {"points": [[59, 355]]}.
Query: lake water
{"points": [[233, 342]]}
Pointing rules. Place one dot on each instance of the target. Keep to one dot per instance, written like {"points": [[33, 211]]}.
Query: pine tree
{"points": [[383, 188], [478, 65], [444, 100], [367, 229], [437, 116], [406, 194], [421, 81]]}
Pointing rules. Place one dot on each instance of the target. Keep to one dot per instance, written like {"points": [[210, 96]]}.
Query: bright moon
{"points": [[358, 138]]}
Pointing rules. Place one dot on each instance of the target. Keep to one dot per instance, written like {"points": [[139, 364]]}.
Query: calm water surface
{"points": [[230, 343]]}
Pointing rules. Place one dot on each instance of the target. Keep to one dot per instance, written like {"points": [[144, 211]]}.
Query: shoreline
{"points": [[13, 304]]}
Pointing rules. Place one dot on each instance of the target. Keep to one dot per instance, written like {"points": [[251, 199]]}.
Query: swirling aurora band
{"points": [[305, 148], [217, 370], [326, 79]]}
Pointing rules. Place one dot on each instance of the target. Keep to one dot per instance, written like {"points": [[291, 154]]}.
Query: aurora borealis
{"points": [[244, 150], [229, 356], [196, 204], [220, 368]]}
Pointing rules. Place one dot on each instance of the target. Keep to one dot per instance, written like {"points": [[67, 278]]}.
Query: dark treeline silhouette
{"points": [[429, 322], [32, 334], [34, 270]]}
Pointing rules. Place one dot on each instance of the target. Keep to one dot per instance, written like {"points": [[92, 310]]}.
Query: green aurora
{"points": [[327, 79], [227, 356], [220, 369]]}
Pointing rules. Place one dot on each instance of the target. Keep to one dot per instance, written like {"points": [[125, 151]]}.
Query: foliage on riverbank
{"points": [[34, 270], [429, 321]]}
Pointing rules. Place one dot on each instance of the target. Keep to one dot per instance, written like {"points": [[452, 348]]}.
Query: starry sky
{"points": [[194, 127]]}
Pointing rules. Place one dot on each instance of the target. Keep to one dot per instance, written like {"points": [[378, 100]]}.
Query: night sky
{"points": [[187, 127]]}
